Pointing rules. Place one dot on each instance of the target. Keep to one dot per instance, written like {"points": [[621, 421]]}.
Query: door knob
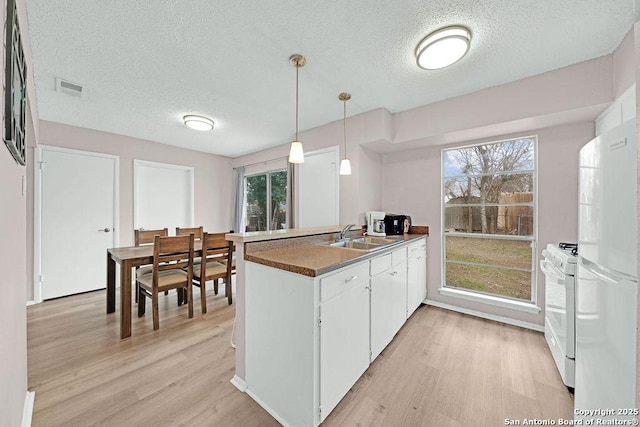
{"points": [[106, 229]]}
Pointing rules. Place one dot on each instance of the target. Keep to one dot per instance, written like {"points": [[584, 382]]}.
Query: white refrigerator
{"points": [[606, 289]]}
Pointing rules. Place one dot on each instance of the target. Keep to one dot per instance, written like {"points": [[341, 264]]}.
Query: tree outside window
{"points": [[266, 201]]}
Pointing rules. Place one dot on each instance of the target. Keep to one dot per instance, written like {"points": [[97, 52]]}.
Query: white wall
{"points": [[636, 66]]}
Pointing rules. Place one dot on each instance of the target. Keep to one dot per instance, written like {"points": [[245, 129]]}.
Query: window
{"points": [[266, 201], [489, 193]]}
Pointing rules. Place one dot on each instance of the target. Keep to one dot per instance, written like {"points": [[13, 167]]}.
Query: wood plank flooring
{"points": [[442, 369]]}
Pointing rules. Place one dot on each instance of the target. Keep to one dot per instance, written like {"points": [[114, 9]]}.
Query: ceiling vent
{"points": [[65, 86]]}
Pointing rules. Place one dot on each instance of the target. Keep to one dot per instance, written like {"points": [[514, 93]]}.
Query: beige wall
{"points": [[13, 264], [412, 184], [213, 175], [13, 334]]}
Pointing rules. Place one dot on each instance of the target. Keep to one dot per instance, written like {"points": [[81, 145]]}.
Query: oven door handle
{"points": [[548, 269]]}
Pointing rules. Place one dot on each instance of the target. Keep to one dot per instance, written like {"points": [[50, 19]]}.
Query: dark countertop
{"points": [[316, 260]]}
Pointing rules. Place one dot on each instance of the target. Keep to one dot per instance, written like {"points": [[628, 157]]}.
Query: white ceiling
{"points": [[144, 64]]}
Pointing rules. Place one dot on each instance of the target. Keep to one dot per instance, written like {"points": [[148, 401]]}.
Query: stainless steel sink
{"points": [[374, 240], [355, 245], [364, 243]]}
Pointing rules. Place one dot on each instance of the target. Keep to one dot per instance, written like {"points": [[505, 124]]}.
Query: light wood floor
{"points": [[442, 369]]}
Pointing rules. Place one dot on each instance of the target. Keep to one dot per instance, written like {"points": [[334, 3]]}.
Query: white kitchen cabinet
{"points": [[416, 275], [388, 298], [307, 339], [344, 343]]}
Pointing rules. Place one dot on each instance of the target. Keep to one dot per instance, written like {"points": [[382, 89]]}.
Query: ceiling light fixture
{"points": [[443, 47], [296, 155], [345, 165], [198, 122]]}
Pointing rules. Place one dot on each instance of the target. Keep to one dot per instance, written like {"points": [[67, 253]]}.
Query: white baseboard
{"points": [[27, 410], [507, 320], [267, 408], [239, 383], [32, 302]]}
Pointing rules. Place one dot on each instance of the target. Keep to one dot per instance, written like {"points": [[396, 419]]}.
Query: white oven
{"points": [[559, 268]]}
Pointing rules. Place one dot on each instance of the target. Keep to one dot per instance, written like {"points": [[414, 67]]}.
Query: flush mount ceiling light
{"points": [[296, 155], [443, 47], [345, 165], [198, 122]]}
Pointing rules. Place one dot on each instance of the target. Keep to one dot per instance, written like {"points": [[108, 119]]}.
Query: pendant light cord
{"points": [[297, 70], [344, 127]]}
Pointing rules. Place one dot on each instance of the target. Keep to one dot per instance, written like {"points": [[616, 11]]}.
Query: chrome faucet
{"points": [[345, 230]]}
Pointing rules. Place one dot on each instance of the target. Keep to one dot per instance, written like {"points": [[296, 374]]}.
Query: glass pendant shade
{"points": [[345, 167], [296, 155]]}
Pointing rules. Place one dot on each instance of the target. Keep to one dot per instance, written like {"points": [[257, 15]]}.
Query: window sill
{"points": [[526, 307]]}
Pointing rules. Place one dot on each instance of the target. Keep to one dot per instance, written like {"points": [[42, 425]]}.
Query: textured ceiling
{"points": [[144, 64]]}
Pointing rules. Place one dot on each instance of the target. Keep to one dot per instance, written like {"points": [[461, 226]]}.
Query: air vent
{"points": [[65, 86]]}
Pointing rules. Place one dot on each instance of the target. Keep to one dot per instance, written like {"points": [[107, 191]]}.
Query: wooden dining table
{"points": [[129, 257]]}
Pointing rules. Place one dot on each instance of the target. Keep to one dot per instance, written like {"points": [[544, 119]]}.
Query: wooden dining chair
{"points": [[145, 237], [221, 236], [215, 251], [172, 269], [233, 258], [197, 231]]}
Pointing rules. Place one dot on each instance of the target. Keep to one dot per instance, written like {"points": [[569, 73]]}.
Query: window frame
{"points": [[476, 295]]}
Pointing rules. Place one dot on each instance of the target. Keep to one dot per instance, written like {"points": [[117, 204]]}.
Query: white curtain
{"points": [[238, 203], [291, 195]]}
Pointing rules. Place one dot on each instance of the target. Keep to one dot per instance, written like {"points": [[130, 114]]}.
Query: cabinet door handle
{"points": [[393, 273], [350, 279]]}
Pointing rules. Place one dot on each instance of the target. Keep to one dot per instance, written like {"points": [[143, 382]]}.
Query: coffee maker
{"points": [[375, 223]]}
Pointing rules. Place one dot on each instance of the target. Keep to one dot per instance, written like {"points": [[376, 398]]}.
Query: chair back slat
{"points": [[196, 231], [145, 237]]}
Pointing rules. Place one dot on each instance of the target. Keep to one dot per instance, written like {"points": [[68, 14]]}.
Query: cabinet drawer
{"points": [[399, 256], [342, 280], [380, 264], [417, 248]]}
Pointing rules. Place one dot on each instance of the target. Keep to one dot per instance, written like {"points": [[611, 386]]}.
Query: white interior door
{"points": [[78, 215], [163, 196], [318, 189]]}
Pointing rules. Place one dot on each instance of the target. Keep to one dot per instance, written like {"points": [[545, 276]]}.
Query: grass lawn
{"points": [[485, 278]]}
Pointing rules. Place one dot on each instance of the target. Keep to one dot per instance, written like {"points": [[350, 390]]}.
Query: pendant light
{"points": [[296, 155], [345, 165]]}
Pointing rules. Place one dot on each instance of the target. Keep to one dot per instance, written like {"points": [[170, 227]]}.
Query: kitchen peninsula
{"points": [[311, 315]]}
